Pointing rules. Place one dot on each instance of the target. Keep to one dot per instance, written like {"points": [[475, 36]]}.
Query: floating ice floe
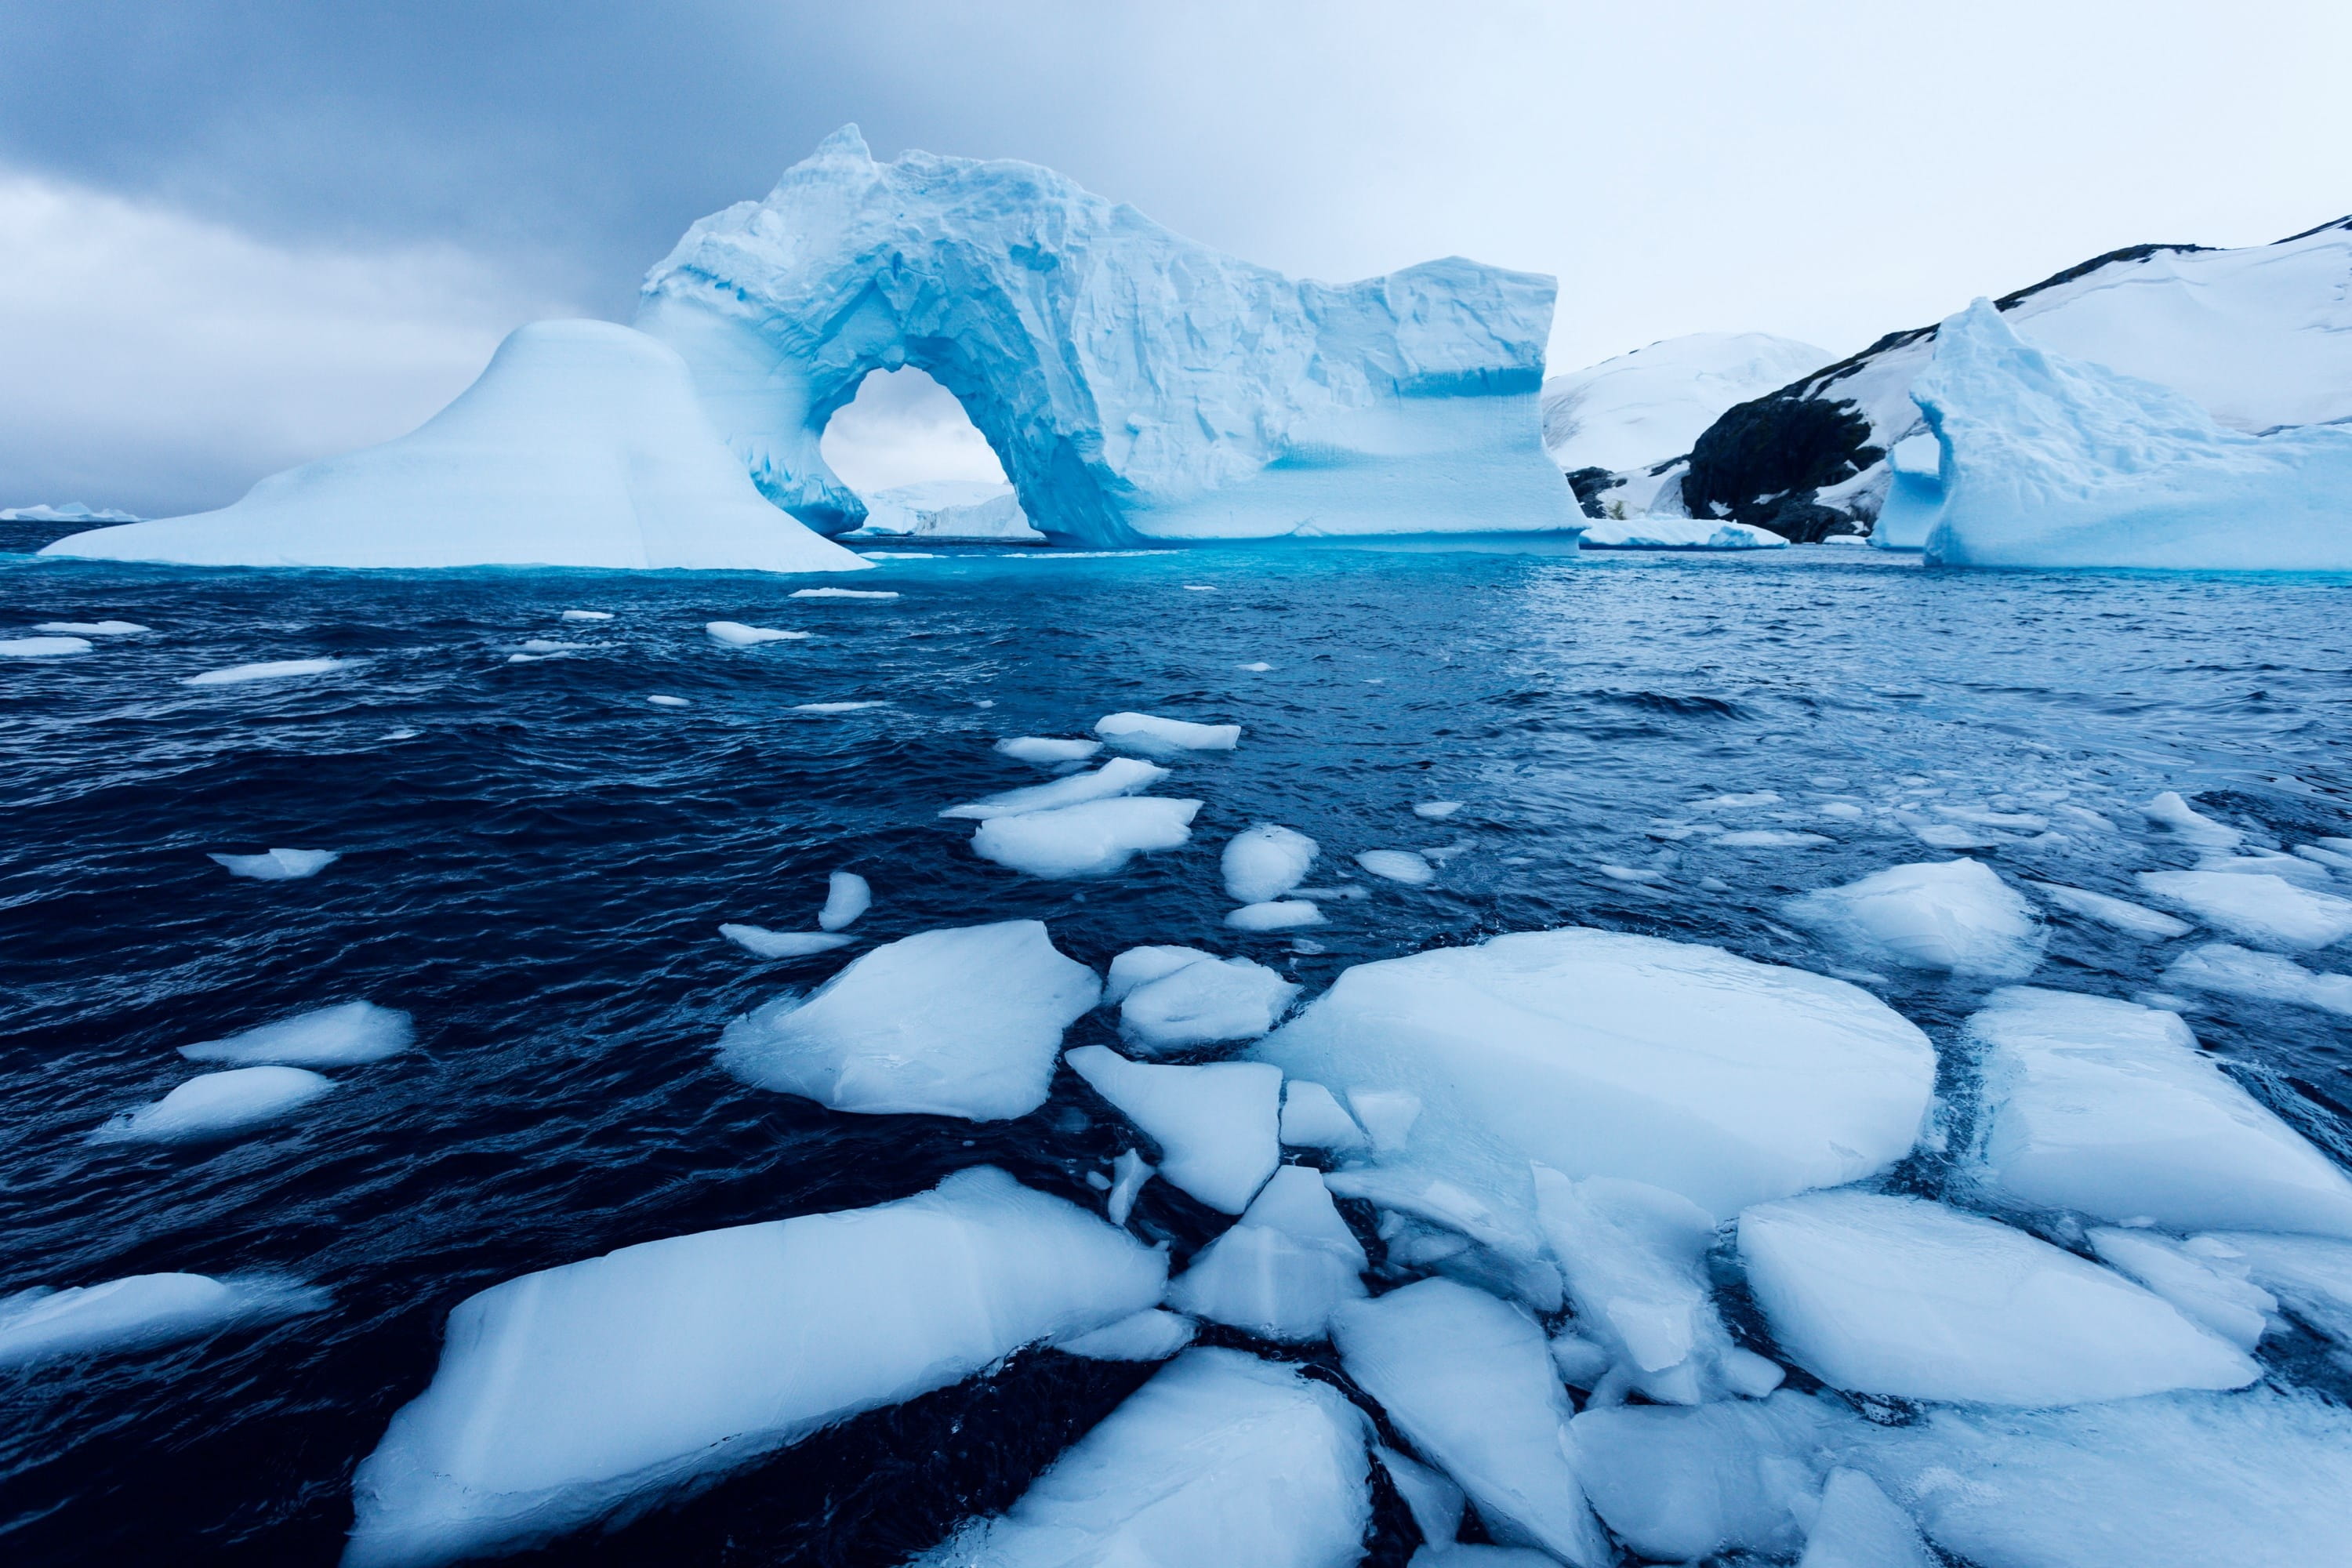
{"points": [[1281, 914], [92, 628], [2261, 908], [1768, 838], [1677, 533], [42, 647], [349, 1034], [2263, 976], [660, 700], [270, 669], [1205, 1004], [845, 593], [735, 633], [1218, 1127], [1858, 1526], [141, 1311], [1157, 736], [2171, 811], [1952, 915], [1094, 838], [2108, 1109], [218, 1105], [1602, 1053], [2296, 869], [586, 616], [1149, 1335], [837, 707], [564, 1394], [1899, 1296], [1398, 866], [278, 864], [1261, 863], [2200, 1283], [1142, 965], [1047, 749], [1255, 666], [1281, 1271], [768, 944], [1679, 1485], [2117, 914], [1221, 1459], [1468, 1382], [847, 896], [962, 1022], [1119, 776], [1313, 1117], [1436, 810]]}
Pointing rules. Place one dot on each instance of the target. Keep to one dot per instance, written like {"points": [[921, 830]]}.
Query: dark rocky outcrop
{"points": [[1588, 484], [1764, 453]]}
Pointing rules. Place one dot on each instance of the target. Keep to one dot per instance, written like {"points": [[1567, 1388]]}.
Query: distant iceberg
{"points": [[1678, 533], [2049, 461], [1134, 383], [949, 511], [580, 444], [71, 512]]}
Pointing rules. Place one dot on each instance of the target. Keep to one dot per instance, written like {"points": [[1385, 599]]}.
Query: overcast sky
{"points": [[236, 236]]}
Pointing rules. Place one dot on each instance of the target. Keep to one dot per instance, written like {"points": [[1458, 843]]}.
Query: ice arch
{"points": [[1133, 382]]}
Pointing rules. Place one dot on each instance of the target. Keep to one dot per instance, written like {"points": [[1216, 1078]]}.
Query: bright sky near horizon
{"points": [[237, 235]]}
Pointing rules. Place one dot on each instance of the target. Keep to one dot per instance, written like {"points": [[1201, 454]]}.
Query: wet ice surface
{"points": [[536, 870]]}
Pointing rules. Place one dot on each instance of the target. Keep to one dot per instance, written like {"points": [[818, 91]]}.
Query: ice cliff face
{"points": [[1134, 383], [2053, 462]]}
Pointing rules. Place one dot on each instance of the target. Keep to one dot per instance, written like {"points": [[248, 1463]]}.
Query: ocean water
{"points": [[536, 858]]}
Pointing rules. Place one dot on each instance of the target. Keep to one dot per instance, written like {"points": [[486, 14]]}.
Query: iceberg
{"points": [[2258, 906], [1205, 1004], [565, 1395], [1120, 775], [2263, 976], [351, 1033], [580, 444], [1221, 1459], [1218, 1127], [1094, 838], [1899, 1296], [962, 1022], [1261, 863], [1124, 404], [1283, 1269], [218, 1105], [141, 1311], [1957, 916], [71, 512], [2057, 462], [1602, 1053], [278, 864], [2108, 1109]]}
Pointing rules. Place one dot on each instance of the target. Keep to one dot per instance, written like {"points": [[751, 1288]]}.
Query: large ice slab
{"points": [[1900, 1296], [2053, 462], [1468, 1381], [2206, 1283], [218, 1105], [349, 1034], [1218, 1127], [2310, 1274], [1952, 915], [563, 1394], [1602, 1054], [2109, 1108], [1281, 1271], [2235, 971], [141, 1311], [962, 1022], [1094, 838], [2266, 910], [1240, 405], [580, 444], [1221, 1461], [1682, 1484]]}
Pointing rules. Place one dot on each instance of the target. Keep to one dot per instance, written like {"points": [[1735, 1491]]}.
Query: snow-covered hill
{"points": [[1647, 406]]}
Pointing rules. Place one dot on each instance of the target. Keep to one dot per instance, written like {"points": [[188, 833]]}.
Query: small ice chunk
{"points": [[1142, 965], [1468, 1381], [1218, 1127], [838, 707], [1434, 1502], [586, 616], [1282, 914], [1119, 776], [1131, 1171], [769, 943], [2311, 1276], [2296, 868], [2121, 914], [218, 1105], [2264, 976], [1737, 802], [1769, 838], [1683, 1484], [1952, 915], [843, 593], [1860, 1527], [349, 1034], [272, 670], [1436, 810], [1900, 1296], [90, 629], [548, 645], [1952, 836], [1313, 1117], [2231, 1305], [1398, 866], [1151, 1334], [661, 700], [962, 1022], [847, 896], [43, 648], [564, 1394], [1255, 666], [2260, 907], [1580, 1361], [278, 864], [1043, 748], [735, 633], [2187, 823], [139, 1311], [1095, 838], [1842, 810], [1264, 862], [1148, 732], [1629, 873], [1205, 1004], [1221, 1461], [2108, 1109], [1283, 1270]]}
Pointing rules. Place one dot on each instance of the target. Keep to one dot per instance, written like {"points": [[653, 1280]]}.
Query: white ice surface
{"points": [[2310, 1274], [1681, 1484], [2265, 909], [1899, 1296], [735, 633], [278, 864], [847, 896], [42, 647], [1469, 1383], [1131, 1171], [1221, 1460], [1283, 1269], [1953, 915], [349, 1034], [1149, 1335], [1436, 810], [1860, 1527], [2217, 1297], [1263, 862], [1602, 1053], [1313, 1117], [586, 616], [1045, 748], [2108, 1109], [1149, 732], [1218, 1126], [961, 1022], [1281, 914], [218, 1105], [2117, 914], [1677, 533], [769, 943], [1142, 965], [845, 593], [92, 628], [2236, 971], [1205, 1004], [268, 669], [564, 1394], [1095, 838], [1119, 776], [2171, 811], [1398, 866], [139, 1311]]}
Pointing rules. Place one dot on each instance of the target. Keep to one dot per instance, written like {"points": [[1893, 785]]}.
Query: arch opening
{"points": [[905, 447]]}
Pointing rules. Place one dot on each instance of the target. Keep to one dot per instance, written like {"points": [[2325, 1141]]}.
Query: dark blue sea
{"points": [[535, 859]]}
